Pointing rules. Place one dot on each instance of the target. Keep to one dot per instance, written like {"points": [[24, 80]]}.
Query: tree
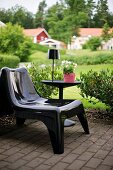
{"points": [[93, 43], [106, 32], [102, 13], [39, 17], [57, 22], [76, 6], [90, 5], [22, 17], [13, 41], [6, 15], [17, 15]]}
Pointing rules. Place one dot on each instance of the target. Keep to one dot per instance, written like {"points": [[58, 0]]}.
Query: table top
{"points": [[60, 83]]}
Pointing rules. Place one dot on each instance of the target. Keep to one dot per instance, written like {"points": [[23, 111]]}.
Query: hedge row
{"points": [[8, 60], [90, 58]]}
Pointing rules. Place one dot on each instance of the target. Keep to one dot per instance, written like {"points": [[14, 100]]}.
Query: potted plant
{"points": [[69, 70]]}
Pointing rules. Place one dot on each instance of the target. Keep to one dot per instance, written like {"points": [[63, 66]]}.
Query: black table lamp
{"points": [[53, 54]]}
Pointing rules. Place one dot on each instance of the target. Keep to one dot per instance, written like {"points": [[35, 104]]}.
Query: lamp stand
{"points": [[53, 70]]}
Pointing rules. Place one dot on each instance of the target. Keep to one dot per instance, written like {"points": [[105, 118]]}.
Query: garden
{"points": [[94, 69]]}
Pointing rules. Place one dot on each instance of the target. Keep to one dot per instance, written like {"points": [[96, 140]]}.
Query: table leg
{"points": [[60, 92], [67, 122]]}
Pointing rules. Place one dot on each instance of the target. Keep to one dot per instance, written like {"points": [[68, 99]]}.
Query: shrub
{"points": [[98, 85], [44, 73], [8, 61], [93, 43]]}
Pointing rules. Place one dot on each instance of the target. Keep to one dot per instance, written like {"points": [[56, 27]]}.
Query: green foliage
{"points": [[98, 85], [68, 67], [102, 14], [86, 57], [94, 43], [105, 32], [23, 50], [13, 41], [17, 15], [8, 61], [39, 73], [39, 17]]}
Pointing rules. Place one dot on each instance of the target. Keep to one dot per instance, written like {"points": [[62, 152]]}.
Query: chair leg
{"points": [[83, 120], [20, 121], [56, 133]]}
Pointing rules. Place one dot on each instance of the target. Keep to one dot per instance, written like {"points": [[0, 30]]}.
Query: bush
{"points": [[44, 73], [98, 85], [8, 61], [93, 43]]}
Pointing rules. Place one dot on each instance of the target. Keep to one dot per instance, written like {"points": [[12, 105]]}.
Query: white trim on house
{"points": [[52, 43]]}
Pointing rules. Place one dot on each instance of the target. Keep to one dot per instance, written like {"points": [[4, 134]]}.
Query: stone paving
{"points": [[29, 148]]}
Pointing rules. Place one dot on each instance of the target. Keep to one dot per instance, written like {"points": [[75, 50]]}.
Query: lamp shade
{"points": [[53, 54]]}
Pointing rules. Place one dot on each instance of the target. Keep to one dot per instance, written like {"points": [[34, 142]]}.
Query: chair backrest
{"points": [[17, 86], [5, 107]]}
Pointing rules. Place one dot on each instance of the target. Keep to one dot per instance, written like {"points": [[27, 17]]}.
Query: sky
{"points": [[32, 5]]}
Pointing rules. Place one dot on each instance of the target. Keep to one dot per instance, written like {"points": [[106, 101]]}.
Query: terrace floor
{"points": [[29, 148]]}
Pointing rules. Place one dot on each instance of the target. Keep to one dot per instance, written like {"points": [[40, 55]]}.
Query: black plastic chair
{"points": [[20, 97]]}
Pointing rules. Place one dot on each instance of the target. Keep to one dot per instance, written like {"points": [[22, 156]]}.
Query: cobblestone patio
{"points": [[29, 148]]}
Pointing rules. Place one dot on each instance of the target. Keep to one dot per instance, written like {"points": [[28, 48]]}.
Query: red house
{"points": [[38, 34]]}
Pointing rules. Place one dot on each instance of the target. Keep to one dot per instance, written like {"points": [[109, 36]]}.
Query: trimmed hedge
{"points": [[8, 60]]}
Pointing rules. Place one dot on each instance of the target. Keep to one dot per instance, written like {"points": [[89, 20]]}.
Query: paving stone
{"points": [[3, 157], [104, 167], [17, 164], [53, 160], [86, 168], [3, 164], [94, 148], [25, 168], [35, 162], [107, 146], [108, 161], [42, 167], [70, 158], [101, 154], [76, 165], [86, 156], [93, 163], [60, 166], [31, 156], [11, 151], [79, 150], [14, 157]]}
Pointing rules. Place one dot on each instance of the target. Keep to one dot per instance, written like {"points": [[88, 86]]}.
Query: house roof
{"points": [[90, 32], [49, 40], [35, 32]]}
